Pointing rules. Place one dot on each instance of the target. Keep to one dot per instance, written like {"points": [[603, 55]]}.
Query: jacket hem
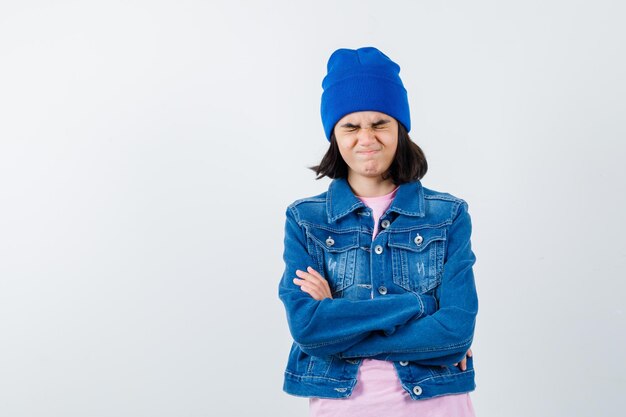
{"points": [[317, 386], [322, 387]]}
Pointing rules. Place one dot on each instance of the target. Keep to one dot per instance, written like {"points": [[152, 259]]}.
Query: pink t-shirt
{"points": [[378, 391]]}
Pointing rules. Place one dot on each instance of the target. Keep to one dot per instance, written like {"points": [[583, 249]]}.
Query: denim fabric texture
{"points": [[408, 296]]}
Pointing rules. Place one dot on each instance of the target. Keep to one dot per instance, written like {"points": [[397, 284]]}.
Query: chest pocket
{"points": [[417, 258], [336, 255]]}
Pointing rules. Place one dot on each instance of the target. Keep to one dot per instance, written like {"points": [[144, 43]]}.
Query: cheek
{"points": [[392, 145], [344, 149], [344, 154]]}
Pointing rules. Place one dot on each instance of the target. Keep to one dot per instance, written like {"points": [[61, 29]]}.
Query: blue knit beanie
{"points": [[364, 79]]}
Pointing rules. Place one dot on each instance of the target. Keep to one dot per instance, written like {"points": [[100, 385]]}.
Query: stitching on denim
{"points": [[404, 268], [295, 214], [348, 210], [451, 375], [422, 309], [433, 349], [456, 391], [307, 200], [301, 377], [323, 245], [421, 248], [331, 229], [408, 213], [457, 208], [443, 197], [333, 249], [329, 203], [454, 216], [309, 367], [421, 226], [437, 348], [330, 365], [317, 345]]}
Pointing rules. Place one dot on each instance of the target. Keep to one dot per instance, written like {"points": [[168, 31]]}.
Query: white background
{"points": [[148, 151]]}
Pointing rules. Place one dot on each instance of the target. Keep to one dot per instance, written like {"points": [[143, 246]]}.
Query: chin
{"points": [[372, 174]]}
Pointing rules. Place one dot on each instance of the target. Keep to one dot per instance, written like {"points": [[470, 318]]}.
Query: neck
{"points": [[370, 187]]}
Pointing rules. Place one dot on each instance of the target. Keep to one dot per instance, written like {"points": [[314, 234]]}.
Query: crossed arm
{"points": [[314, 284], [395, 327]]}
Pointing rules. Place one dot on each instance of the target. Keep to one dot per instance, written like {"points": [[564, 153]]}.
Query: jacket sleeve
{"points": [[443, 337], [330, 326]]}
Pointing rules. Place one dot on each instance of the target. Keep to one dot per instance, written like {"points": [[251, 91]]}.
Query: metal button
{"points": [[418, 240], [330, 241], [382, 290], [384, 224], [404, 363], [378, 249], [417, 390]]}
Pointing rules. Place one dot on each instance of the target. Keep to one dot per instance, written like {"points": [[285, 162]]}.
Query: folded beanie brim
{"points": [[364, 93]]}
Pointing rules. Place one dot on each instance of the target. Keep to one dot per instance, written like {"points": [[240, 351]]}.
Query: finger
{"points": [[463, 364], [316, 284], [313, 293], [326, 286], [316, 276], [469, 353], [328, 293], [320, 283], [307, 276], [315, 273], [323, 282], [309, 283], [306, 286], [316, 291]]}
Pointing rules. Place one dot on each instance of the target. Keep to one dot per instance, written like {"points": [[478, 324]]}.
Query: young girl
{"points": [[378, 284]]}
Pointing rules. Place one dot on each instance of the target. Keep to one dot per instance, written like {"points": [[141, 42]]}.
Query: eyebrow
{"points": [[375, 124]]}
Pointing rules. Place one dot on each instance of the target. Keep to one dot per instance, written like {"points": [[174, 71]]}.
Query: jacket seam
{"points": [[330, 229], [300, 377], [446, 376], [344, 213], [330, 342], [308, 200], [431, 349], [422, 308], [443, 197], [420, 227], [426, 350]]}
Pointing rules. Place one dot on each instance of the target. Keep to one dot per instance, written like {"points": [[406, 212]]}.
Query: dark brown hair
{"points": [[409, 163]]}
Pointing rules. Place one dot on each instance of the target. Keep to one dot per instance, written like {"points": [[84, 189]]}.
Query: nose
{"points": [[366, 136]]}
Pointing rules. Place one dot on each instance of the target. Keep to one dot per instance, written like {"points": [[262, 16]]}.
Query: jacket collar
{"points": [[340, 200]]}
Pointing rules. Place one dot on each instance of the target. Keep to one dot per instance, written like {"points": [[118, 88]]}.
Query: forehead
{"points": [[364, 117]]}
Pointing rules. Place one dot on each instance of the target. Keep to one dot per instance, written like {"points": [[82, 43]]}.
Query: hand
{"points": [[313, 283], [463, 363]]}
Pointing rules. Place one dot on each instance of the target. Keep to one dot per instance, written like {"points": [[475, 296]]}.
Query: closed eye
{"points": [[349, 127], [381, 124]]}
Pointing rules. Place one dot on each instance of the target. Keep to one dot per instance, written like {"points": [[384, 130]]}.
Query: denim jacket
{"points": [[408, 296]]}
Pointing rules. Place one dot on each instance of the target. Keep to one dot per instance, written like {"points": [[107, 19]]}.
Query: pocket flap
{"points": [[416, 240], [334, 241]]}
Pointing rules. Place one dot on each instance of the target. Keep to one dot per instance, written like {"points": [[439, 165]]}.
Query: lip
{"points": [[369, 152]]}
